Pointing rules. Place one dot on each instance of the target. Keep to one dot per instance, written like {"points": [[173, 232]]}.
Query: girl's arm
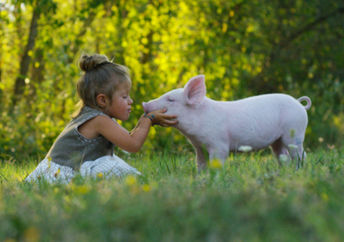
{"points": [[133, 141]]}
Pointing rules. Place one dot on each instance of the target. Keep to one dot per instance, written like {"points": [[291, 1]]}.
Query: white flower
{"points": [[283, 158], [245, 148], [292, 146]]}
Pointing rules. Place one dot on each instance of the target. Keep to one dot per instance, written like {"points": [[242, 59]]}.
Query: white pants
{"points": [[107, 166]]}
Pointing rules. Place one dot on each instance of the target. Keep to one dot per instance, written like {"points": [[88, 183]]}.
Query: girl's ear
{"points": [[101, 100], [195, 90]]}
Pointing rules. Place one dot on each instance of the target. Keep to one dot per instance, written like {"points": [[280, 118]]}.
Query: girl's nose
{"points": [[130, 101]]}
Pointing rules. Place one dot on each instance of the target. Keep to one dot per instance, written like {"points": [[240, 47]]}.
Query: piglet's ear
{"points": [[195, 90]]}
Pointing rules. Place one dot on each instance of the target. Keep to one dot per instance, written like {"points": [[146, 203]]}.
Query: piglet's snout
{"points": [[145, 107], [152, 106]]}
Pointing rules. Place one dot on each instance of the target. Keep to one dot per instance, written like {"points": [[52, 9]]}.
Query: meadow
{"points": [[250, 198]]}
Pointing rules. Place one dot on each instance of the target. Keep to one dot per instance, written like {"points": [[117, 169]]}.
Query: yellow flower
{"points": [[100, 175], [324, 196], [56, 190], [67, 199], [82, 189], [31, 234], [49, 162], [130, 180], [57, 173], [146, 188], [215, 164]]}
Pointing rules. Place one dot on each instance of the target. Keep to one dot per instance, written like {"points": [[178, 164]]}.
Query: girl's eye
{"points": [[170, 99]]}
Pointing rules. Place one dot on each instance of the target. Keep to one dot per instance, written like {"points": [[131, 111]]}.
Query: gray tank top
{"points": [[72, 149]]}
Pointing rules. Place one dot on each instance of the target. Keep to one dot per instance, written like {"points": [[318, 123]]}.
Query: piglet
{"points": [[276, 120]]}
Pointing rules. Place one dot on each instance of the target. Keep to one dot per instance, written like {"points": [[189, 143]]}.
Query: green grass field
{"points": [[251, 198]]}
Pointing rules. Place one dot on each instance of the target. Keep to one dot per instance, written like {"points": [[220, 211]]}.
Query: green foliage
{"points": [[243, 47], [251, 198]]}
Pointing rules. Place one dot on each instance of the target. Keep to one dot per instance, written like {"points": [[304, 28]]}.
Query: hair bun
{"points": [[90, 62]]}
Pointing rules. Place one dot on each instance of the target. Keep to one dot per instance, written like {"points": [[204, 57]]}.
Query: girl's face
{"points": [[120, 106]]}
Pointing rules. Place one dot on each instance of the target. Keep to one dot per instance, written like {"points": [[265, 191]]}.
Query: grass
{"points": [[251, 198]]}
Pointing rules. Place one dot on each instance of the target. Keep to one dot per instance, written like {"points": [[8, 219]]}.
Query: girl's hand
{"points": [[158, 117]]}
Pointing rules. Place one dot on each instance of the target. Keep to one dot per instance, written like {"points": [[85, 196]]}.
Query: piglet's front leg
{"points": [[218, 152], [201, 156], [203, 153]]}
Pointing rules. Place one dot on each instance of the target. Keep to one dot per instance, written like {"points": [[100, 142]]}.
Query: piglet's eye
{"points": [[170, 99]]}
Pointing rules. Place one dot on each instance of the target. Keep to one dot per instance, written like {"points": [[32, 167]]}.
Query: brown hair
{"points": [[101, 76]]}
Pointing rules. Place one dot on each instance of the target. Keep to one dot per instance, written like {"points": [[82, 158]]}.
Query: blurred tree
{"points": [[289, 29], [38, 7]]}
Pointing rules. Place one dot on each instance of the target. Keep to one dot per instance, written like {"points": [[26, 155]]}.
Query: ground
{"points": [[251, 198]]}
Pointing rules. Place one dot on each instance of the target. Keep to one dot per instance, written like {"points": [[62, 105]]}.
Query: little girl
{"points": [[86, 145]]}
